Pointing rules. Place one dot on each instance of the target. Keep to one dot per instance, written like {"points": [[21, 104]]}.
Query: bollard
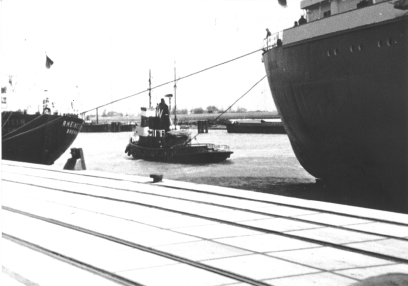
{"points": [[199, 126], [156, 178], [202, 126], [77, 162]]}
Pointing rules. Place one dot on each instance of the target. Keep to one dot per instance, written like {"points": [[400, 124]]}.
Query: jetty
{"points": [[266, 126], [109, 127], [86, 227]]}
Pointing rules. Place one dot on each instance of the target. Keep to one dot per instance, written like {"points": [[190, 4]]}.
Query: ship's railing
{"points": [[201, 147], [275, 40], [221, 147]]}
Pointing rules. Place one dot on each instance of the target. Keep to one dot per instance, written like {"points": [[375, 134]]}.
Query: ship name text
{"points": [[72, 127]]}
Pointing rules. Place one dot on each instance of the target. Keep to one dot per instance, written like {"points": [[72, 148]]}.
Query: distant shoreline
{"points": [[185, 119]]}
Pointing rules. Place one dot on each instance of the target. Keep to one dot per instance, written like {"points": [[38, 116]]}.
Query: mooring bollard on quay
{"points": [[77, 162], [156, 178]]}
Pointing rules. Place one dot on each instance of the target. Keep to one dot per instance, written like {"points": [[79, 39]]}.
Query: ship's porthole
{"points": [[335, 52], [360, 47], [328, 53], [352, 49], [389, 42], [380, 43]]}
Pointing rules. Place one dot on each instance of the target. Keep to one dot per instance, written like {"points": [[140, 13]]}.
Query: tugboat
{"points": [[156, 139]]}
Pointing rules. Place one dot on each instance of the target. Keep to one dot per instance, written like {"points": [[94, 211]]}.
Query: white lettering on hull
{"points": [[72, 127]]}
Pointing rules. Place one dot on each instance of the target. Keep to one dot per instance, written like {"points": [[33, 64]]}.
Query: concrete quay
{"points": [[95, 228]]}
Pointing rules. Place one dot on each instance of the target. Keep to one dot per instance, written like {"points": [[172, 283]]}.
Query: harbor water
{"points": [[260, 162]]}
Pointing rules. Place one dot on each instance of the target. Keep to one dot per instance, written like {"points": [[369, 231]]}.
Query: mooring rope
{"points": [[188, 141], [31, 130], [240, 98], [7, 119], [180, 78], [3, 115], [8, 134]]}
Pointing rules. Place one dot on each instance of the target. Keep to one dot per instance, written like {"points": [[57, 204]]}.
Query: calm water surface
{"points": [[261, 162]]}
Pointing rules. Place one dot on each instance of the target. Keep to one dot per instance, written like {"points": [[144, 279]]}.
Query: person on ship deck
{"points": [[268, 34], [164, 114], [302, 20]]}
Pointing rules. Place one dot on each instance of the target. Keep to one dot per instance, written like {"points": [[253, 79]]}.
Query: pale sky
{"points": [[106, 48]]}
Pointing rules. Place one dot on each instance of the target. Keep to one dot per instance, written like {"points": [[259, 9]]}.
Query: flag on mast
{"points": [[48, 62]]}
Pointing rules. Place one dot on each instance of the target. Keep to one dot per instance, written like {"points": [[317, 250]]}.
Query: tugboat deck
{"points": [[95, 228]]}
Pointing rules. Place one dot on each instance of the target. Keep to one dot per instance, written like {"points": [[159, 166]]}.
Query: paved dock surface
{"points": [[93, 228]]}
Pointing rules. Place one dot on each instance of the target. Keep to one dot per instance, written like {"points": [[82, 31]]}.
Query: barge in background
{"points": [[264, 126], [340, 85], [109, 127]]}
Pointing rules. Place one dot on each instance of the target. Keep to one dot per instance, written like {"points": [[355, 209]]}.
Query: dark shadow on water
{"points": [[226, 162], [346, 194], [359, 195]]}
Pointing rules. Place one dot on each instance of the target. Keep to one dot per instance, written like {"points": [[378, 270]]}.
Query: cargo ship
{"points": [[340, 83], [37, 138]]}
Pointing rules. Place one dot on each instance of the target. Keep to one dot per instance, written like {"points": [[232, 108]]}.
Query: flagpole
{"points": [[48, 102]]}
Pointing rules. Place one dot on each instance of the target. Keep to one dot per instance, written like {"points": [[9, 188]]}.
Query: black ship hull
{"points": [[343, 99], [38, 139], [188, 154]]}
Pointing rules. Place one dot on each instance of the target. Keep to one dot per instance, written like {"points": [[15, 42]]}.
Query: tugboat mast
{"points": [[175, 101], [150, 90]]}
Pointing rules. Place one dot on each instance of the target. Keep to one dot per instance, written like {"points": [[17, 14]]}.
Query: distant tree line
{"points": [[214, 109], [111, 113], [198, 110], [179, 111]]}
